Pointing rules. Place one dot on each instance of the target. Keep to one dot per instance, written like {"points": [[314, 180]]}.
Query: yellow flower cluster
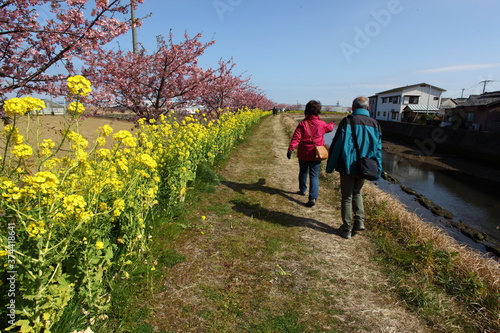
{"points": [[79, 190], [79, 85], [45, 147], [12, 132], [22, 151], [106, 130], [74, 204], [36, 229], [44, 182], [19, 106], [75, 108], [10, 191], [147, 160]]}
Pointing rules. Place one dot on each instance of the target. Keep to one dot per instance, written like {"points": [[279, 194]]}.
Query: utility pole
{"points": [[484, 87], [134, 32], [462, 96]]}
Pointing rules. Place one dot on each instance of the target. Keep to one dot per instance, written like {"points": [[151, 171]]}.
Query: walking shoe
{"points": [[311, 202], [301, 193], [344, 233], [359, 226]]}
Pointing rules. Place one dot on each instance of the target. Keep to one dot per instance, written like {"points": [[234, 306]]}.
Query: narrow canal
{"points": [[469, 202]]}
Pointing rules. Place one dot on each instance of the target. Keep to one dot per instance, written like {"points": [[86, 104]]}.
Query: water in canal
{"points": [[469, 202]]}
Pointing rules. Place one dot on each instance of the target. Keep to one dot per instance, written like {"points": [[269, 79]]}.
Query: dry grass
{"points": [[412, 228], [50, 127]]}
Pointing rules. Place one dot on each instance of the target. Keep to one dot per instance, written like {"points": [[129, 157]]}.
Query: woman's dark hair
{"points": [[313, 108]]}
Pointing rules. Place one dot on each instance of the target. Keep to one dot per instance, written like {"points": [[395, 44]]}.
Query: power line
{"points": [[462, 90], [480, 83]]}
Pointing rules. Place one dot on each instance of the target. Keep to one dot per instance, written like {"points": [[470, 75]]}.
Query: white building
{"points": [[53, 108], [399, 104]]}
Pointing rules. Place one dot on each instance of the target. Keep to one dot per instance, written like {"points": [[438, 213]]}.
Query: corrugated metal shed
{"points": [[420, 108]]}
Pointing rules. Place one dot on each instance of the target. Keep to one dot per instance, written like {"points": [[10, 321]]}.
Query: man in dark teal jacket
{"points": [[342, 158]]}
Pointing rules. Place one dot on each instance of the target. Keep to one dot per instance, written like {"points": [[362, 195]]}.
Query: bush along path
{"points": [[252, 257]]}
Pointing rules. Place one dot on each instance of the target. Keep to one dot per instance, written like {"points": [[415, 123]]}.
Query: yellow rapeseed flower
{"points": [[15, 106], [99, 245], [130, 142], [79, 85], [75, 108], [36, 229], [104, 153], [146, 160], [119, 205], [22, 151], [33, 104], [74, 203], [46, 146], [120, 135], [101, 141], [42, 181], [77, 138], [106, 130]]}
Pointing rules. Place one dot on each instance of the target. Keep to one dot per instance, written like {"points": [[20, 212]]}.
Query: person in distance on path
{"points": [[342, 158], [311, 126]]}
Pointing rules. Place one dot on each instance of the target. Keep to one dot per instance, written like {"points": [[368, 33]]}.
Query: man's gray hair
{"points": [[360, 103]]}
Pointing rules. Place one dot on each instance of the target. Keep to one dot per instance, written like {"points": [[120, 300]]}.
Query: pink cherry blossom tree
{"points": [[227, 91], [224, 90], [149, 84], [255, 98], [38, 35], [40, 39]]}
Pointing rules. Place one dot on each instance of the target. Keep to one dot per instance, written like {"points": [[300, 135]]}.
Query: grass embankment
{"points": [[243, 254]]}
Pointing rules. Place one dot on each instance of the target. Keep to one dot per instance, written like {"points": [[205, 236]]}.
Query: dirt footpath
{"points": [[346, 261], [259, 190]]}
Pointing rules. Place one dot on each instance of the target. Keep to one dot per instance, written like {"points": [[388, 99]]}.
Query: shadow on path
{"points": [[261, 187], [287, 220]]}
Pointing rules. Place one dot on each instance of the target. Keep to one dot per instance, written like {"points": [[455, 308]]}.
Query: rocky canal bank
{"points": [[480, 175]]}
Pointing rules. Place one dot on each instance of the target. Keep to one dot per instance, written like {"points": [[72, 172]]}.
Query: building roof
{"points": [[52, 104], [420, 108], [410, 86], [486, 99]]}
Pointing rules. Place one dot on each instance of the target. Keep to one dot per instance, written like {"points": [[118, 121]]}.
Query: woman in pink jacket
{"points": [[308, 134]]}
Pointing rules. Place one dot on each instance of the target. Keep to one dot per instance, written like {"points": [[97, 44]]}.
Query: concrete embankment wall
{"points": [[478, 145]]}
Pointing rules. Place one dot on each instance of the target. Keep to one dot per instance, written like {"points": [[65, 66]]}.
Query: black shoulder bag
{"points": [[367, 167]]}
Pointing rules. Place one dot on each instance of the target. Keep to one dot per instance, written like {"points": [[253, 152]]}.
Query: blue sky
{"points": [[336, 50]]}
